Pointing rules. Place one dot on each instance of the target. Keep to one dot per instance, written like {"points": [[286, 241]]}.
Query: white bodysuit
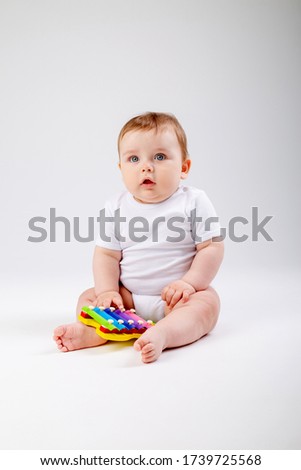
{"points": [[158, 241]]}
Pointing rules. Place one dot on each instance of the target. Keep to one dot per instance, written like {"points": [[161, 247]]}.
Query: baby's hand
{"points": [[106, 299], [176, 291]]}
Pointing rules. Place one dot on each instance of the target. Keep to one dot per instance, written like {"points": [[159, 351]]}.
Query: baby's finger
{"points": [[118, 301], [163, 293], [186, 295], [96, 303], [105, 303], [175, 298], [169, 295]]}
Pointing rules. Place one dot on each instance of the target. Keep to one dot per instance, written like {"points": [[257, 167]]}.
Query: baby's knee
{"points": [[85, 299], [88, 294], [212, 300], [208, 304]]}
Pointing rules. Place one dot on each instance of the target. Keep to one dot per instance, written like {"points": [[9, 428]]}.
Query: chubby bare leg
{"points": [[186, 323], [77, 335]]}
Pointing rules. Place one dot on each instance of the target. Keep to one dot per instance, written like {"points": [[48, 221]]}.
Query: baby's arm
{"points": [[203, 269], [205, 265], [106, 272]]}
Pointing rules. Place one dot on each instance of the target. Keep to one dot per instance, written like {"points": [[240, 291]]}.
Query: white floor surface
{"points": [[239, 387]]}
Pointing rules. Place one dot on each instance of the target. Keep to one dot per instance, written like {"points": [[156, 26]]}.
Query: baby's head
{"points": [[153, 156]]}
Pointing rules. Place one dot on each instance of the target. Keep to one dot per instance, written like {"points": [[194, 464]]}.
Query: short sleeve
{"points": [[107, 237], [204, 220]]}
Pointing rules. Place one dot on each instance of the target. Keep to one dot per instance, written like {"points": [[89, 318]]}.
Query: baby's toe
{"points": [[137, 345], [148, 348], [60, 345], [146, 358], [59, 331]]}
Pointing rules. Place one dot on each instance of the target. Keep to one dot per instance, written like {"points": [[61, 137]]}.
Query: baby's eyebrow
{"points": [[129, 152]]}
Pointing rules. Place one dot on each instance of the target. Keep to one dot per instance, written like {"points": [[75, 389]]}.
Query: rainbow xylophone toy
{"points": [[114, 324]]}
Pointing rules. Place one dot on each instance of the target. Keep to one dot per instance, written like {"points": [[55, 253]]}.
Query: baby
{"points": [[159, 250]]}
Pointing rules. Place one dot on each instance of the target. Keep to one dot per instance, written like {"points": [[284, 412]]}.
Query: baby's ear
{"points": [[185, 168]]}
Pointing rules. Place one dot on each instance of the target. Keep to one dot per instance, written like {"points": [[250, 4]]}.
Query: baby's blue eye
{"points": [[134, 159], [160, 157]]}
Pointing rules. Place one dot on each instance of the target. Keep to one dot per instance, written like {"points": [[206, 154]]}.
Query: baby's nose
{"points": [[147, 166]]}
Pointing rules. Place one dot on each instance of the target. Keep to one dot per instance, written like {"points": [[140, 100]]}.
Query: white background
{"points": [[72, 73]]}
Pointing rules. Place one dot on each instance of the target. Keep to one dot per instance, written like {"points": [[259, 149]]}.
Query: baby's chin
{"points": [[151, 200]]}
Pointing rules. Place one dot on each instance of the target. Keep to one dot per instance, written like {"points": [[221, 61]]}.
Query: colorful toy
{"points": [[114, 324]]}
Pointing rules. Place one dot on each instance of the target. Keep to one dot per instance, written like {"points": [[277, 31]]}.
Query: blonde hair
{"points": [[149, 121]]}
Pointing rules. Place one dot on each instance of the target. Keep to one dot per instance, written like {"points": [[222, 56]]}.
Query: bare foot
{"points": [[76, 336], [151, 344]]}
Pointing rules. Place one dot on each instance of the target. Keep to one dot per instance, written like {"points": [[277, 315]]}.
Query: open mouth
{"points": [[147, 182]]}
